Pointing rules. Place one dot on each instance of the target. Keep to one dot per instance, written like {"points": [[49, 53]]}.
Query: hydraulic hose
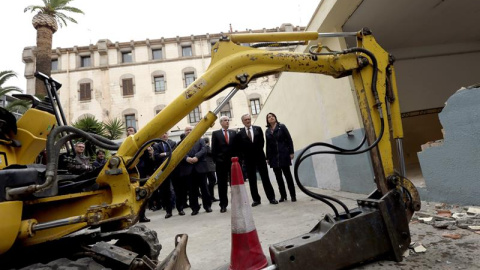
{"points": [[339, 150], [53, 150]]}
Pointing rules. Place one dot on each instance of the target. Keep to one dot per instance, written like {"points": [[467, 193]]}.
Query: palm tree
{"points": [[46, 22], [113, 128], [18, 105]]}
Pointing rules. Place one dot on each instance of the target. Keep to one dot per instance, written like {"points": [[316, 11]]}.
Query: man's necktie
{"points": [[249, 134], [226, 135]]}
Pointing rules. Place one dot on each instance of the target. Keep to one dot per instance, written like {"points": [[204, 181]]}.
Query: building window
{"points": [[189, 78], [127, 85], [126, 57], [157, 54], [187, 51], [159, 82], [226, 109], [130, 121], [255, 106], [85, 91], [194, 116], [54, 64], [85, 61], [226, 113]]}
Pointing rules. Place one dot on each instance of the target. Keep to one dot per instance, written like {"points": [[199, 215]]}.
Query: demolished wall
{"points": [[451, 168]]}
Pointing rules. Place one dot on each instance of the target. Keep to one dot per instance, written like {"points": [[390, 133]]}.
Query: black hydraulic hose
{"points": [[140, 150], [53, 148], [342, 151], [348, 152]]}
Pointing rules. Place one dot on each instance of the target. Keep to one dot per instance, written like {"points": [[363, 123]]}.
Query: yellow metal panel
{"points": [[33, 129], [10, 224]]}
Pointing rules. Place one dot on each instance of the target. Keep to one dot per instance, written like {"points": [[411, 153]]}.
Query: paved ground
{"points": [[209, 243]]}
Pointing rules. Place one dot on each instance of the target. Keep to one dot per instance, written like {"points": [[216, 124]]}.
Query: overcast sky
{"points": [[122, 20]]}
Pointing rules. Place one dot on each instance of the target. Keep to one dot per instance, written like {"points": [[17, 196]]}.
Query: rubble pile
{"points": [[451, 217]]}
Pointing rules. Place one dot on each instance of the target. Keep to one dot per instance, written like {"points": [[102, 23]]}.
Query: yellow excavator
{"points": [[54, 218]]}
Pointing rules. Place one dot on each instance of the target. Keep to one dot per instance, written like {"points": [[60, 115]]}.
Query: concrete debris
{"points": [[419, 249], [458, 216], [445, 224], [440, 205], [473, 211], [464, 223], [412, 245], [425, 220], [452, 235], [406, 253], [474, 228]]}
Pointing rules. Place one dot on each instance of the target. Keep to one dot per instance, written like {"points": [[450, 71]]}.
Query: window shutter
{"points": [[85, 91], [127, 87]]}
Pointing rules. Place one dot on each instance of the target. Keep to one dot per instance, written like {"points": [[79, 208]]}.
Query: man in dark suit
{"points": [[159, 152], [222, 151], [249, 142], [193, 169]]}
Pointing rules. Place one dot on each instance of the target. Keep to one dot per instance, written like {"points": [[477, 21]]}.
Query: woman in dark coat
{"points": [[280, 154]]}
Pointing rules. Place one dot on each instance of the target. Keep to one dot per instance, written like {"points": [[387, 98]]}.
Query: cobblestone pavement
{"points": [[209, 243]]}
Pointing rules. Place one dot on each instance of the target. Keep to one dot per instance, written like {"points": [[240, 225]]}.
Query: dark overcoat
{"points": [[279, 146], [198, 150]]}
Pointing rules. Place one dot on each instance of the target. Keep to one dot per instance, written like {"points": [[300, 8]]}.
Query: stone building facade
{"points": [[135, 80]]}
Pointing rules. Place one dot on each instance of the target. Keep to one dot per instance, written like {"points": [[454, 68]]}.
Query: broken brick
{"points": [[444, 213], [452, 235]]}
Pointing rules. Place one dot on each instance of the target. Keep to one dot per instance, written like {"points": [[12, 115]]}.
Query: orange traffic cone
{"points": [[247, 252]]}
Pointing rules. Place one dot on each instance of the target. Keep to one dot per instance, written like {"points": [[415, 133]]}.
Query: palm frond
{"points": [[5, 75], [54, 8], [20, 106], [71, 9], [114, 128], [7, 90], [90, 124]]}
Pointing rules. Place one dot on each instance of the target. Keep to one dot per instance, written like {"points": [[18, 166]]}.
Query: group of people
{"points": [[247, 143], [204, 166]]}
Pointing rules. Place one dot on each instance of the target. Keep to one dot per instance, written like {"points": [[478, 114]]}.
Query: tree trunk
{"points": [[43, 60]]}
